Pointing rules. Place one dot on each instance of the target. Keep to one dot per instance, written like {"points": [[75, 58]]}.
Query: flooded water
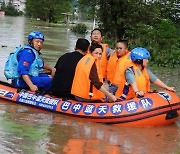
{"points": [[26, 130]]}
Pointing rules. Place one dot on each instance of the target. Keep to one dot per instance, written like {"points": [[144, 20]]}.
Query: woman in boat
{"points": [[88, 80], [138, 77]]}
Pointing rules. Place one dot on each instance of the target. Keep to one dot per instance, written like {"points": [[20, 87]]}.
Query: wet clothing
{"points": [[82, 85], [65, 70], [28, 60]]}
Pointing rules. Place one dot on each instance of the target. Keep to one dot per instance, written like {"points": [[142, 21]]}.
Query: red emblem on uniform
{"points": [[25, 63]]}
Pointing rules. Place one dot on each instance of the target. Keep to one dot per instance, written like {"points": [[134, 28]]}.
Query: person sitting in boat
{"points": [[137, 76], [65, 69], [30, 64], [88, 80], [118, 58]]}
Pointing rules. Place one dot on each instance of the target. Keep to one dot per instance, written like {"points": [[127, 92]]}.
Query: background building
{"points": [[18, 4]]}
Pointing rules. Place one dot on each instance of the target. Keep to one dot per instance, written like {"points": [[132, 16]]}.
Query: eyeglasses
{"points": [[118, 48]]}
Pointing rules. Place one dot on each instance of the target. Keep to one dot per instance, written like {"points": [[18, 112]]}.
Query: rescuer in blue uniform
{"points": [[30, 64]]}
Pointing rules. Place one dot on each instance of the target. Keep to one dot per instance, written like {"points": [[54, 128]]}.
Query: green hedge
{"points": [[79, 28]]}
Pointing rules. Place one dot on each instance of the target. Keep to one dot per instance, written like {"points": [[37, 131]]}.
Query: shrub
{"points": [[79, 28], [162, 40]]}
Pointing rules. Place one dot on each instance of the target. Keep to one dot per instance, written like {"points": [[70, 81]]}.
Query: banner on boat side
{"points": [[103, 109], [87, 109], [38, 100], [6, 93]]}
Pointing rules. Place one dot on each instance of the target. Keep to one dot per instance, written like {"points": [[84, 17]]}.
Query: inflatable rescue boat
{"points": [[154, 109]]}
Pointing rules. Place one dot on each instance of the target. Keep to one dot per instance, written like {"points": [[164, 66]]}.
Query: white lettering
{"points": [[131, 106], [89, 109], [46, 106], [27, 101], [102, 109], [117, 108]]}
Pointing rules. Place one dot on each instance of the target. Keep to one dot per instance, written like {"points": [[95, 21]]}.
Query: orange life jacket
{"points": [[111, 67], [142, 80], [123, 63], [103, 60], [81, 83], [114, 67]]}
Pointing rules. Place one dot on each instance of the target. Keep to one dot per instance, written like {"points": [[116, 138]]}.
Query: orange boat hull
{"points": [[154, 109]]}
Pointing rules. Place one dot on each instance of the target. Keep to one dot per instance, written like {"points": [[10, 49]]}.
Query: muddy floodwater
{"points": [[27, 130]]}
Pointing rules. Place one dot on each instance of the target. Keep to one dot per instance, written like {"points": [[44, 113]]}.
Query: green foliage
{"points": [[151, 24], [10, 10], [117, 16], [48, 10], [80, 28], [162, 40], [87, 9]]}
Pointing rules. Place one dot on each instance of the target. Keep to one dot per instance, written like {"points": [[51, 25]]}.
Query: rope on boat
{"points": [[170, 114]]}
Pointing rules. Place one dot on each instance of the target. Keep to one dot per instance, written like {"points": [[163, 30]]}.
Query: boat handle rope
{"points": [[171, 113]]}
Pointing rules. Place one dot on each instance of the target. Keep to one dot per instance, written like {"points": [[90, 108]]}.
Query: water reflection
{"points": [[12, 31], [28, 130]]}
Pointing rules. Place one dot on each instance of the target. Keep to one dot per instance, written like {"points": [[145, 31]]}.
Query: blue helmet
{"points": [[35, 35], [139, 54]]}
